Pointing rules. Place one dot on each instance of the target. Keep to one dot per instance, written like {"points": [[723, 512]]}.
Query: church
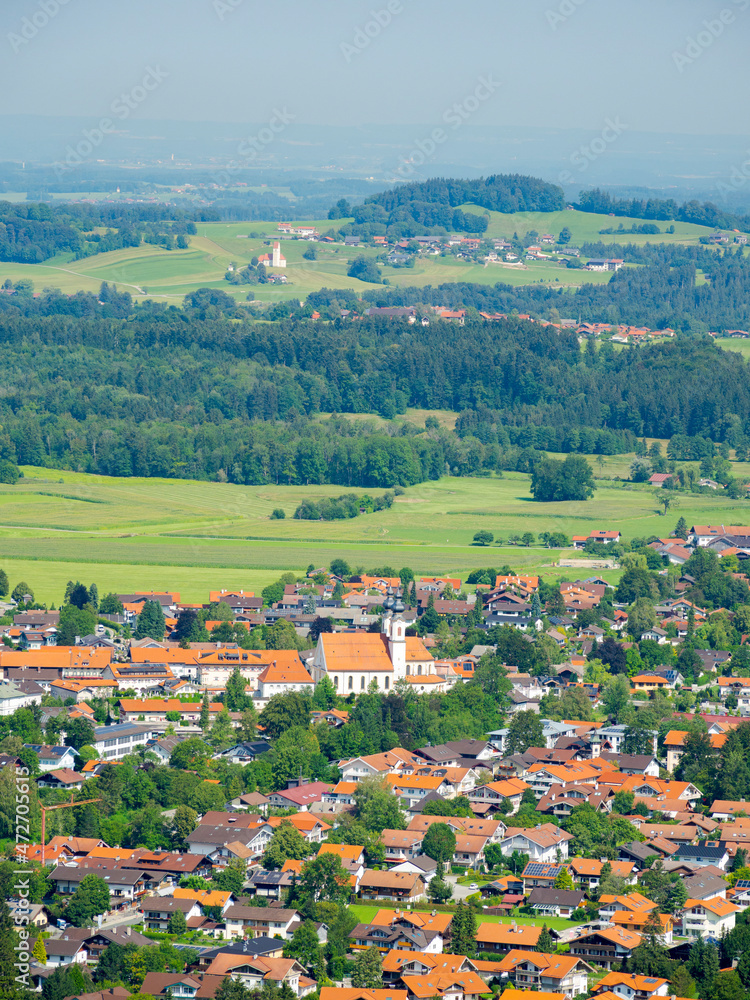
{"points": [[353, 660]]}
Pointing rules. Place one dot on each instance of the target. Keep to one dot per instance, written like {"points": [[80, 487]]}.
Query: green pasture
{"points": [[732, 344], [585, 226], [168, 275], [194, 536]]}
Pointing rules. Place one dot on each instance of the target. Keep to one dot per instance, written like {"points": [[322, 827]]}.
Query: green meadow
{"points": [[168, 276], [190, 536], [365, 914], [585, 227]]}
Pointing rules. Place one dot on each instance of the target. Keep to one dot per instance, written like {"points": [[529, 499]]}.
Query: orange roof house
{"points": [[642, 986], [285, 674], [345, 852], [439, 984], [304, 822], [423, 919], [504, 937]]}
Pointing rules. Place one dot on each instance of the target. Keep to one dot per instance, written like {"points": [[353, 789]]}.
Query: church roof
{"points": [[367, 651]]}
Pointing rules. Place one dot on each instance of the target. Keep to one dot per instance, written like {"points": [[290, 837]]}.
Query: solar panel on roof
{"points": [[743, 883]]}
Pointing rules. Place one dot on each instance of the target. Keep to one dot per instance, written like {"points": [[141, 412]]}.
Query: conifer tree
{"points": [[205, 711]]}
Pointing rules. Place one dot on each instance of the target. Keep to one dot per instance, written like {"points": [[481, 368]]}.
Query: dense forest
{"points": [[97, 384], [31, 233], [419, 209], [499, 193], [666, 209], [662, 293]]}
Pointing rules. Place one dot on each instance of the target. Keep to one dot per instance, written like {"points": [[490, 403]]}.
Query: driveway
{"points": [[459, 891]]}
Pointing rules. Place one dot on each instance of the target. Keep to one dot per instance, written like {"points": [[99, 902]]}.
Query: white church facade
{"points": [[353, 660]]}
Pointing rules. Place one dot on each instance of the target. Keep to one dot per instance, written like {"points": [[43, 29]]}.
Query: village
{"points": [[453, 869]]}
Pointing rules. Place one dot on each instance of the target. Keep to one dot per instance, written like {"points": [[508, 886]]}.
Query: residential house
{"points": [[53, 758], [157, 910], [396, 887], [630, 986], [503, 938], [401, 845], [423, 866], [63, 779], [65, 950], [470, 850], [496, 792], [543, 843], [314, 830], [632, 902], [631, 763], [299, 794], [674, 743], [561, 800], [223, 841], [99, 939], [704, 886], [704, 854], [555, 902], [279, 678], [587, 871], [724, 809], [255, 971], [260, 921], [270, 884], [126, 886], [19, 694], [605, 947], [534, 970], [637, 922], [180, 986], [390, 761], [400, 934]]}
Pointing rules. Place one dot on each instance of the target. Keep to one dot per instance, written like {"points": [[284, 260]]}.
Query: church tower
{"points": [[394, 629]]}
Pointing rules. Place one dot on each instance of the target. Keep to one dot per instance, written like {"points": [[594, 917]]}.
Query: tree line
{"points": [[666, 209], [102, 385], [34, 232]]}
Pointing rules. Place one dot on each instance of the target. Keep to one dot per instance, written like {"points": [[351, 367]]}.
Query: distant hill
{"points": [[418, 208], [500, 193]]}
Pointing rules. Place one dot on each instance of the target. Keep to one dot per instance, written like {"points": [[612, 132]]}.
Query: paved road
{"points": [[459, 891]]}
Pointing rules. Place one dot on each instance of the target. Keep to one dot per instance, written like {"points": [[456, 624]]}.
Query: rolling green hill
{"points": [[168, 275], [154, 533]]}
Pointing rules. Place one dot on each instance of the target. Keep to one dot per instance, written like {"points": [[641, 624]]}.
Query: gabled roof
{"points": [[720, 907], [285, 674], [643, 984], [552, 966], [514, 935], [616, 935]]}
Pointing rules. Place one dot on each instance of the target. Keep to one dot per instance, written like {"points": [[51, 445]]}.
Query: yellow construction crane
{"points": [[62, 805]]}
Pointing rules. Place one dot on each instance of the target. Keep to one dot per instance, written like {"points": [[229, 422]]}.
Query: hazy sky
{"points": [[550, 63]]}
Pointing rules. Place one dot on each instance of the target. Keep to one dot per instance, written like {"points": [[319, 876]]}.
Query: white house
{"points": [[266, 921], [65, 951], [53, 758], [542, 843], [13, 696], [708, 917], [280, 678]]}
